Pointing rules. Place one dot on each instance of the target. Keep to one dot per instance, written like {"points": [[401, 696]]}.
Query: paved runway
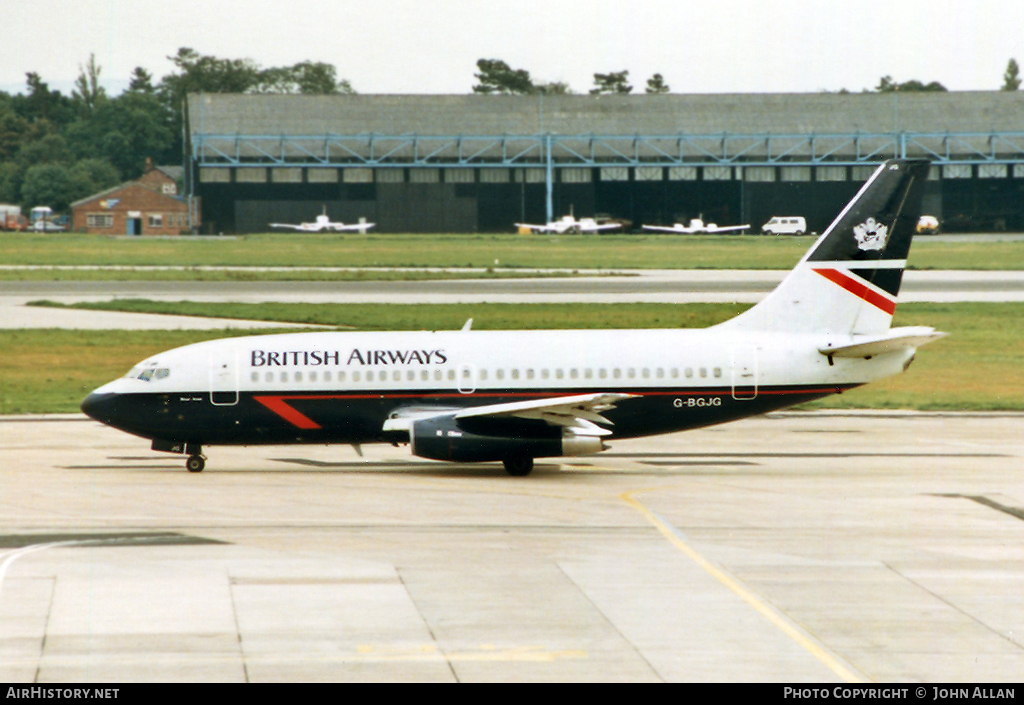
{"points": [[794, 547], [653, 286]]}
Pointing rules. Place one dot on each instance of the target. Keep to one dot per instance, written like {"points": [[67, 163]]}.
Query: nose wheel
{"points": [[195, 463]]}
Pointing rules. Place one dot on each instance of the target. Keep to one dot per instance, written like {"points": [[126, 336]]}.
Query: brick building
{"points": [[150, 205]]}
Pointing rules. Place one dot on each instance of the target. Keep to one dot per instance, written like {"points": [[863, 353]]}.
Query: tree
{"points": [[887, 85], [48, 185], [656, 84], [142, 81], [1011, 79], [88, 91], [307, 77], [611, 83], [41, 103], [497, 77]]}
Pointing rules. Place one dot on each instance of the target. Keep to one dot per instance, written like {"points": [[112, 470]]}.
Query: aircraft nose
{"points": [[99, 406]]}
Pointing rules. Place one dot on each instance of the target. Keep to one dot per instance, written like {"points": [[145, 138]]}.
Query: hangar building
{"points": [[474, 163]]}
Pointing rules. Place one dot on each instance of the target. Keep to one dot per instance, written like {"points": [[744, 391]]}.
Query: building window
{"points": [[648, 173], [170, 189], [156, 220], [575, 175], [682, 173], [494, 176], [717, 173], [614, 173], [426, 175], [99, 221]]}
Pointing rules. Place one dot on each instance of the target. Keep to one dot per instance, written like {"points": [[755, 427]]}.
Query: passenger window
{"points": [[703, 372], [574, 374], [645, 373], [438, 374], [588, 373], [269, 377], [631, 373], [544, 374], [284, 376], [255, 376], [660, 373], [483, 374], [529, 374], [410, 375], [616, 373], [675, 372], [718, 372], [499, 374], [602, 373], [515, 374], [298, 376], [425, 375], [689, 372], [312, 376], [451, 375], [356, 376]]}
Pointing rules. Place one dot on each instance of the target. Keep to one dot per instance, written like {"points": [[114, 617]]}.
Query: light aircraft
{"points": [[569, 224], [324, 223], [696, 226], [513, 396]]}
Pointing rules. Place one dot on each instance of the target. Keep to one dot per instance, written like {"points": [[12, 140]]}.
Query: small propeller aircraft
{"points": [[569, 224], [324, 223], [696, 226]]}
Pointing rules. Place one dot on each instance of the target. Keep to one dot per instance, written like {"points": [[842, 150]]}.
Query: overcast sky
{"points": [[431, 46]]}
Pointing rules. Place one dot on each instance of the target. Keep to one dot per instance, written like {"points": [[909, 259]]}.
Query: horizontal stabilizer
{"points": [[890, 341]]}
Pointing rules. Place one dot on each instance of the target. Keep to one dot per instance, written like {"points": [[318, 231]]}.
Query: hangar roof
{"points": [[796, 113]]}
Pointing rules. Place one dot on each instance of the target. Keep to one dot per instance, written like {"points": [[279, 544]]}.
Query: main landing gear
{"points": [[519, 465], [195, 463]]}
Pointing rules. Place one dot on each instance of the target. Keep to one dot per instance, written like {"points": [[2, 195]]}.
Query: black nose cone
{"points": [[99, 407]]}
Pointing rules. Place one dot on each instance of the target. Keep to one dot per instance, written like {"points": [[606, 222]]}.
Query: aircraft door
{"points": [[467, 378], [744, 372], [223, 375]]}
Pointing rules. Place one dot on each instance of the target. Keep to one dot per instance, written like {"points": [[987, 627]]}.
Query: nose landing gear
{"points": [[195, 463]]}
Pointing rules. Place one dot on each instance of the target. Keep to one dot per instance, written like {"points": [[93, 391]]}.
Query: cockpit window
{"points": [[148, 374]]}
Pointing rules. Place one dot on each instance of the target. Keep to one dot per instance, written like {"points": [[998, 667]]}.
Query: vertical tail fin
{"points": [[848, 281]]}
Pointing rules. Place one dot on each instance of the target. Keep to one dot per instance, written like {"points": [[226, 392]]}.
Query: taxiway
{"points": [[795, 547]]}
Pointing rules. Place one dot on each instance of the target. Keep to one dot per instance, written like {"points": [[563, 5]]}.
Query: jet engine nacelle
{"points": [[444, 438]]}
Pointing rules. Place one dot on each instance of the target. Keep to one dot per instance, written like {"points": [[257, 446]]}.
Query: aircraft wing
{"points": [[578, 414], [286, 225], [339, 227], [663, 229], [726, 229], [891, 340], [607, 226]]}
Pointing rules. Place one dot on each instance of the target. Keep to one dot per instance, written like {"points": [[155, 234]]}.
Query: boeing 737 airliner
{"points": [[512, 396]]}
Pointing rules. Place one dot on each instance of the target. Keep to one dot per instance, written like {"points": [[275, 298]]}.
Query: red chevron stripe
{"points": [[287, 412], [858, 289]]}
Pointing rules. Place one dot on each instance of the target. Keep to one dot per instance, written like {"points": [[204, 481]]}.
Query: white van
{"points": [[785, 225]]}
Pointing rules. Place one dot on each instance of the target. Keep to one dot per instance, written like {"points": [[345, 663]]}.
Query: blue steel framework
{"points": [[591, 150]]}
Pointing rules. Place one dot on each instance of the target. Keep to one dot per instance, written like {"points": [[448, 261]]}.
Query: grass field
{"points": [[567, 252], [980, 366]]}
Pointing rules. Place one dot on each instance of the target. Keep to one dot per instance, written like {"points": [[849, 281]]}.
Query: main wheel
{"points": [[519, 466], [195, 463]]}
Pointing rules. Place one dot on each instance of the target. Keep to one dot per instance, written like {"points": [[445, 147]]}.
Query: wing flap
{"points": [[578, 414]]}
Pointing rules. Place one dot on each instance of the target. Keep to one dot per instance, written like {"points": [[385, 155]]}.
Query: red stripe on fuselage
{"points": [[287, 412], [858, 289]]}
